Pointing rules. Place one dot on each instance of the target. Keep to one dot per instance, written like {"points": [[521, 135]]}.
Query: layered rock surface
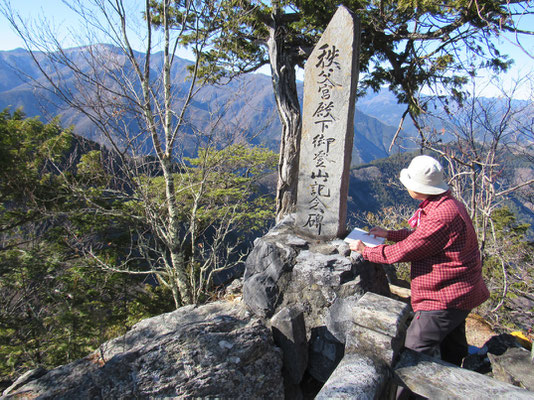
{"points": [[436, 379], [288, 270], [289, 274], [216, 350]]}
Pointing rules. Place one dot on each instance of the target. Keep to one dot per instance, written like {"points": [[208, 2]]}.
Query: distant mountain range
{"points": [[375, 186], [251, 98], [249, 107]]}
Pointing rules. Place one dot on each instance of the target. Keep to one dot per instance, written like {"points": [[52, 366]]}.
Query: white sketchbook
{"points": [[368, 240]]}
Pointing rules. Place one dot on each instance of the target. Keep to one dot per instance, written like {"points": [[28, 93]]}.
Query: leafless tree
{"points": [[140, 105], [478, 139]]}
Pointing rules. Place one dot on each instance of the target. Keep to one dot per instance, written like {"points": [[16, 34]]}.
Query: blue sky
{"points": [[54, 9], [61, 17]]}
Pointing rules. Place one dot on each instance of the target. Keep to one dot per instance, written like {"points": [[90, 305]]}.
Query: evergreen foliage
{"points": [[508, 270], [53, 308], [391, 53], [68, 224]]}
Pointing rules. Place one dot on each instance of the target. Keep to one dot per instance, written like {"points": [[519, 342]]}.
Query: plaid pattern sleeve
{"points": [[446, 271], [397, 236], [424, 242]]}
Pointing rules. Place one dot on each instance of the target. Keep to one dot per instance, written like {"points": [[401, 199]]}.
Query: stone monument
{"points": [[330, 80]]}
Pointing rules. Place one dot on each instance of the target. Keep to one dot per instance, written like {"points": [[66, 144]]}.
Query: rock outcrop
{"points": [[311, 313], [216, 350], [291, 274], [436, 379], [373, 329], [514, 366], [288, 270]]}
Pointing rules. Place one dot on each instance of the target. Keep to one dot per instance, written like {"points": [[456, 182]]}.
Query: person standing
{"points": [[446, 269]]}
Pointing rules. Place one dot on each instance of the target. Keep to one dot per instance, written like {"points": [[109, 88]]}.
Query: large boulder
{"points": [[285, 269], [514, 366], [216, 351], [357, 377], [288, 271], [433, 378], [373, 329], [289, 334]]}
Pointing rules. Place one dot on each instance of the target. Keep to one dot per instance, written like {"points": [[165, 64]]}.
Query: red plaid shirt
{"points": [[446, 271]]}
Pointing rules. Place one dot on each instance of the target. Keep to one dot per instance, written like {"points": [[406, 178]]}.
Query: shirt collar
{"points": [[434, 198]]}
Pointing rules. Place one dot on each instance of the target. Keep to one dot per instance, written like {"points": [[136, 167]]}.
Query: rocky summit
{"points": [[312, 316], [216, 350]]}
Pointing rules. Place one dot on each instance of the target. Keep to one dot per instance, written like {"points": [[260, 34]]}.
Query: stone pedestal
{"points": [[287, 272], [373, 329]]}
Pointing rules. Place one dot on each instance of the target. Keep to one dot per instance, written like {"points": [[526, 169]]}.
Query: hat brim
{"points": [[418, 187]]}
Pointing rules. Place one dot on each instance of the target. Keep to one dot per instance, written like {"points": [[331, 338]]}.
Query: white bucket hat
{"points": [[424, 175]]}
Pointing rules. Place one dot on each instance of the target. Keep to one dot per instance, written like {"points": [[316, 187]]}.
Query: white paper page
{"points": [[368, 240]]}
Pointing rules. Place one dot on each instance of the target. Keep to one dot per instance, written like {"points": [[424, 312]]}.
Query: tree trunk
{"points": [[181, 279], [287, 103]]}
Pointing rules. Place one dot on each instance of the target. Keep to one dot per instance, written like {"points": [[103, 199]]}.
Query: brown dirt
{"points": [[477, 330]]}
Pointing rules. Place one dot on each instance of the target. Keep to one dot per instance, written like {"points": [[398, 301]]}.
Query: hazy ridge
{"points": [[249, 103]]}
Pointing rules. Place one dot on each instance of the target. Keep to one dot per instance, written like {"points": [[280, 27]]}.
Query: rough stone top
{"points": [[437, 379], [381, 313]]}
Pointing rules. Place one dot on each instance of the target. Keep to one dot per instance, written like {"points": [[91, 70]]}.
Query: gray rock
{"points": [[25, 378], [265, 266], [325, 248], [310, 279], [437, 379], [335, 246], [371, 312], [351, 288], [271, 257], [377, 345], [356, 377], [289, 333], [316, 281], [324, 270], [342, 247], [215, 350], [514, 367], [234, 288], [295, 241], [339, 320], [373, 278], [261, 294], [381, 314], [282, 273], [325, 353], [370, 325]]}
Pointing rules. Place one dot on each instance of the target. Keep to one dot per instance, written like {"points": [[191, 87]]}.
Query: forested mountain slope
{"points": [[244, 105]]}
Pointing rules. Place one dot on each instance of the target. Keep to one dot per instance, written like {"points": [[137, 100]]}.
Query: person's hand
{"points": [[378, 232], [357, 246]]}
